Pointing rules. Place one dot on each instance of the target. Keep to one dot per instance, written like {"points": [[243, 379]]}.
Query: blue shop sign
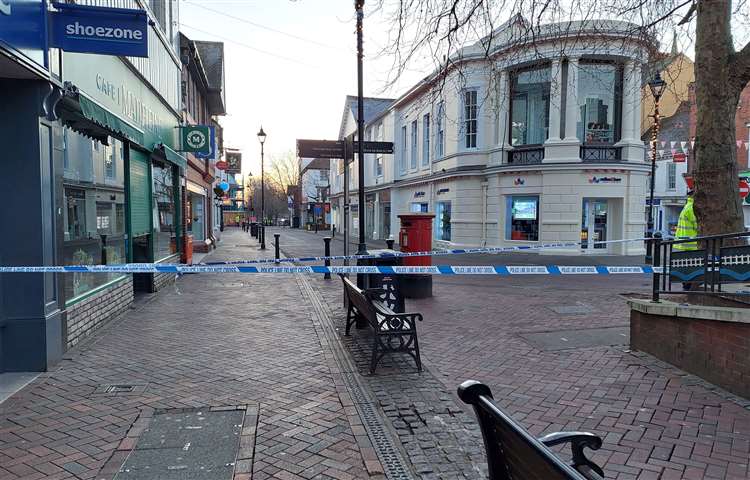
{"points": [[212, 154], [23, 29], [99, 30]]}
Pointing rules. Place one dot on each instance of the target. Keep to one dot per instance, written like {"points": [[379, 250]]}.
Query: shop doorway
{"points": [[595, 224]]}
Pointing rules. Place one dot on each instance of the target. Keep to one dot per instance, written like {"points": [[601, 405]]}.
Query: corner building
{"points": [[536, 142]]}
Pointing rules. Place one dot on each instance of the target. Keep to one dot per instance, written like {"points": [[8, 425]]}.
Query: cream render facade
{"points": [[527, 145]]}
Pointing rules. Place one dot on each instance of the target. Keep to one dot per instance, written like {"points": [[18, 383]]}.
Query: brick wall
{"points": [[162, 279], [716, 351], [93, 312]]}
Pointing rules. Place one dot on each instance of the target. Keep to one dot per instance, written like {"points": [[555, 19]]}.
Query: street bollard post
{"points": [[262, 239], [656, 263], [276, 246], [389, 243], [327, 253], [333, 231]]}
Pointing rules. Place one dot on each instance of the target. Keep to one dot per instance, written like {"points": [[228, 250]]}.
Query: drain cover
{"points": [[120, 389], [186, 445], [584, 338], [577, 309]]}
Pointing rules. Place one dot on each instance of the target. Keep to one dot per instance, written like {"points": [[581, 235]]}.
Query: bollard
{"points": [[262, 233], [656, 250], [333, 231], [276, 247], [327, 253], [389, 243]]}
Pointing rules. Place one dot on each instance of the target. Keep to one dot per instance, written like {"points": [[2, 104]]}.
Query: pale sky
{"points": [[296, 89]]}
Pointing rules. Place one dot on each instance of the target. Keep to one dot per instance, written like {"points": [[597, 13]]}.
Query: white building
{"points": [[534, 143], [314, 183]]}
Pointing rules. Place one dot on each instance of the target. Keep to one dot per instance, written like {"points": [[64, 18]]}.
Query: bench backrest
{"points": [[512, 452], [357, 297]]}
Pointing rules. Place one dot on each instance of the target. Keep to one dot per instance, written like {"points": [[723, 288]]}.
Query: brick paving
{"points": [[234, 341], [656, 421]]}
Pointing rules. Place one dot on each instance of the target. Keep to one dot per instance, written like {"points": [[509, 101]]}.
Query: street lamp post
{"points": [[657, 86], [262, 140], [362, 248]]}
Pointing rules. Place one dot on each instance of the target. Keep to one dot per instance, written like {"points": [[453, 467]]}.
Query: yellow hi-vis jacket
{"points": [[687, 227]]}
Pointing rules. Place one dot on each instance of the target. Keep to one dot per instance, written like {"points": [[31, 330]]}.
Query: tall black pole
{"points": [[262, 199], [362, 250], [650, 222]]}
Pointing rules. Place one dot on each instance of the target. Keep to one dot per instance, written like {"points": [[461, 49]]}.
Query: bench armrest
{"points": [[372, 293], [578, 441]]}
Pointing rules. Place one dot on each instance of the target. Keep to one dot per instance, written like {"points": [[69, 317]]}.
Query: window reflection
{"points": [[530, 106], [598, 103], [164, 212]]}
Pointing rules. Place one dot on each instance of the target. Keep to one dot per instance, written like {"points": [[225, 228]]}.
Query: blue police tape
{"points": [[385, 270], [432, 253]]}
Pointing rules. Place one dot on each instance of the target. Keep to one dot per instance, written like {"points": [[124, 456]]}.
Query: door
{"points": [[594, 224]]}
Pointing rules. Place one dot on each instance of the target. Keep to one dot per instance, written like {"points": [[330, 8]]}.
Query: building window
{"points": [[93, 212], [470, 118], [413, 157], [419, 207], [379, 166], [530, 106], [403, 148], [671, 176], [164, 212], [440, 136], [522, 218], [443, 221], [426, 139], [599, 98]]}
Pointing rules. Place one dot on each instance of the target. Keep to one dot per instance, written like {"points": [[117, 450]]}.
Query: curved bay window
{"points": [[599, 103], [529, 111], [93, 211], [165, 237]]}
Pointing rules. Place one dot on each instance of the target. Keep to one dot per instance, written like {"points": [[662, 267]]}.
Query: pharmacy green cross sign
{"points": [[196, 139]]}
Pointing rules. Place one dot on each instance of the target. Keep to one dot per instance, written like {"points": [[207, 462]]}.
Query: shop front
{"points": [[196, 220]]}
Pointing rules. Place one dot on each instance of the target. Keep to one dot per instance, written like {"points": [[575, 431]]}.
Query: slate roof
{"points": [[212, 57], [373, 106]]}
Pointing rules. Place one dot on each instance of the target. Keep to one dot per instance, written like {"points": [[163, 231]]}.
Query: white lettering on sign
{"points": [[103, 32], [131, 106], [4, 8]]}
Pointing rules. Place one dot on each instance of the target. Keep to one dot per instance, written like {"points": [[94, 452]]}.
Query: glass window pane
{"points": [[522, 218], [443, 221], [530, 107], [164, 212], [597, 108]]}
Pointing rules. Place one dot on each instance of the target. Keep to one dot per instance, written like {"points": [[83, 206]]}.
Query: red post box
{"points": [[416, 236]]}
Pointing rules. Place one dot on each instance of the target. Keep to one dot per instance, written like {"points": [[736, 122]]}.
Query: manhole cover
{"points": [[584, 338], [186, 445], [577, 309]]}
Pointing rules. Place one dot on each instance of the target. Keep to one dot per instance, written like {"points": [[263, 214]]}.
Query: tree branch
{"points": [[741, 67]]}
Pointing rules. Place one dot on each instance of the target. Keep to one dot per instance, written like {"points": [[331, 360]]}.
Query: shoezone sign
{"points": [[99, 30]]}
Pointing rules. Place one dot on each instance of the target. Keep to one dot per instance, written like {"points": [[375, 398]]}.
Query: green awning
{"points": [[171, 156], [92, 111]]}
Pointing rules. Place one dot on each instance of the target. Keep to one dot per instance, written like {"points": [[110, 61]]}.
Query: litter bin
{"points": [[391, 285], [254, 229], [416, 236]]}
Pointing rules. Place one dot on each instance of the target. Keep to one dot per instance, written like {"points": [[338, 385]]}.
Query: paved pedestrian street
{"points": [[250, 376]]}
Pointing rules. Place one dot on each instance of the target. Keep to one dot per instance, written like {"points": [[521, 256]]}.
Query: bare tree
{"points": [[440, 29], [284, 170]]}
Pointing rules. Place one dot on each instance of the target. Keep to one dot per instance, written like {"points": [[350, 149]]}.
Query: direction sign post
{"points": [[335, 148]]}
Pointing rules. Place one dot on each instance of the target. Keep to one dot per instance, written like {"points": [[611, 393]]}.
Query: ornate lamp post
{"points": [[262, 140], [657, 86]]}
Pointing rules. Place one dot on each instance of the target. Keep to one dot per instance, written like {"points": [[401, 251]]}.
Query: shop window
{"points": [[165, 241], [94, 214], [530, 106], [426, 139], [379, 166], [471, 109], [443, 221], [522, 218], [440, 135], [419, 207], [599, 99]]}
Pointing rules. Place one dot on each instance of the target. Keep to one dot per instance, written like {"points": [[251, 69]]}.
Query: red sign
{"points": [[679, 157], [744, 188], [328, 208], [222, 165]]}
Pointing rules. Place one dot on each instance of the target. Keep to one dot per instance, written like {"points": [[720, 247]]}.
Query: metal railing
{"points": [[526, 155], [600, 153], [712, 261]]}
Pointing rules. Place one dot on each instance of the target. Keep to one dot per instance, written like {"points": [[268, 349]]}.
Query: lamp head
{"points": [[261, 136], [657, 86]]}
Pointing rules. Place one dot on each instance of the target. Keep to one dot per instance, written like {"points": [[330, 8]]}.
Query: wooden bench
{"points": [[393, 332], [513, 453]]}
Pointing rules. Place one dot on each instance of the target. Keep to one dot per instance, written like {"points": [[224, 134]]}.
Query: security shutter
{"points": [[140, 204]]}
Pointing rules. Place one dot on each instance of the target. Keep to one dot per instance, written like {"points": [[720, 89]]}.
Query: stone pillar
{"points": [[555, 101], [630, 143], [502, 105], [563, 146]]}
